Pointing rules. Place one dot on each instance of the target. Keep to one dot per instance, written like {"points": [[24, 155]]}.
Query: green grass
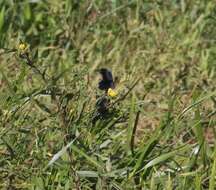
{"points": [[160, 130]]}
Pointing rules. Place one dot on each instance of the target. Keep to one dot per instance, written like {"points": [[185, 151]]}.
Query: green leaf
{"points": [[213, 173], [27, 11], [199, 133], [162, 158], [2, 13], [60, 153], [88, 174], [38, 182], [145, 151], [91, 160], [197, 102]]}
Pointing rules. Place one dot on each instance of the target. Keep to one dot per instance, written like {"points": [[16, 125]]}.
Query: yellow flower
{"points": [[22, 47], [111, 93]]}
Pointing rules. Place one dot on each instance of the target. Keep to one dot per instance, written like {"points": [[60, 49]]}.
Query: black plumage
{"points": [[107, 80], [102, 104]]}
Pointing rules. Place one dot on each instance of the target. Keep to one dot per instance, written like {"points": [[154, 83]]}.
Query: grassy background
{"points": [[161, 136]]}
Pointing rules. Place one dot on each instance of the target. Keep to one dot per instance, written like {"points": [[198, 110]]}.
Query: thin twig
{"points": [[135, 127]]}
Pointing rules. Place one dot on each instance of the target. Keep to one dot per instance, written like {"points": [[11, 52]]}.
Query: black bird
{"points": [[107, 80], [101, 109], [102, 103]]}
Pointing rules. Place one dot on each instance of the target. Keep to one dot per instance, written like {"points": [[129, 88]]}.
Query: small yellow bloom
{"points": [[22, 47], [111, 93]]}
